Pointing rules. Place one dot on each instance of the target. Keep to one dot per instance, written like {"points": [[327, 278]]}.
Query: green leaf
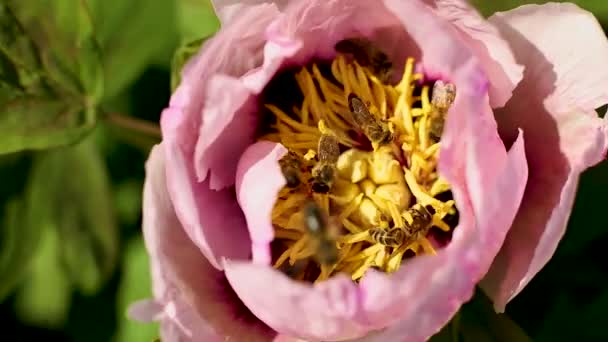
{"points": [[598, 7], [197, 19], [133, 34], [181, 57], [478, 322], [50, 74], [71, 192], [18, 244], [44, 299], [197, 22], [135, 285], [127, 197], [31, 122]]}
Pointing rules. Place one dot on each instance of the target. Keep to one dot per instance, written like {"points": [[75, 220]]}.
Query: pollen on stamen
{"points": [[383, 188]]}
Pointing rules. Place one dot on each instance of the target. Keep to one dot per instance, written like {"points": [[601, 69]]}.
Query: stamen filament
{"points": [[366, 193]]}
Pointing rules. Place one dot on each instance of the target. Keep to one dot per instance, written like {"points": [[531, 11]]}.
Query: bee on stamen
{"points": [[376, 130], [442, 98], [321, 234], [368, 56], [422, 221], [291, 167], [398, 236], [393, 237], [324, 172]]}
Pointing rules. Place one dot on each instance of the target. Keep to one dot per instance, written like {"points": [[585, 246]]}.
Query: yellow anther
{"points": [[354, 238], [369, 251], [384, 169], [353, 205], [351, 227], [358, 273], [398, 194], [297, 248], [394, 211], [379, 259], [439, 186], [324, 129], [310, 155], [427, 246], [344, 192], [352, 165], [440, 224], [368, 214], [370, 189], [287, 234]]}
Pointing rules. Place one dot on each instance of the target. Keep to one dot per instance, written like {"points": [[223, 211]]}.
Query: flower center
{"points": [[362, 184]]}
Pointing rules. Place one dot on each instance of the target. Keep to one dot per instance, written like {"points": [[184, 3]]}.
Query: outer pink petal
{"points": [[489, 47], [259, 180], [194, 299], [326, 311], [565, 52], [212, 219]]}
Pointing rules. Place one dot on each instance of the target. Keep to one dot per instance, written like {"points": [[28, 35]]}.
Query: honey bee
{"points": [[393, 237], [320, 234], [324, 171], [442, 98], [376, 130], [398, 236], [367, 55], [291, 168], [422, 221]]}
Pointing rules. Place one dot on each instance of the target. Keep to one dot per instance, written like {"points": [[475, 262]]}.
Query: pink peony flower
{"points": [[533, 74]]}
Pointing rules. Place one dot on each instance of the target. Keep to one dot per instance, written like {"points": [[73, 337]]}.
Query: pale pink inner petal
{"points": [[229, 125], [259, 180], [564, 80], [195, 297], [489, 47], [327, 311]]}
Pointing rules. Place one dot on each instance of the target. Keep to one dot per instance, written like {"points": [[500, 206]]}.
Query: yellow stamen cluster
{"points": [[373, 189]]}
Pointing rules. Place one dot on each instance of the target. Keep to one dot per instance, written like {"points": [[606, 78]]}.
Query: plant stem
{"points": [[134, 125]]}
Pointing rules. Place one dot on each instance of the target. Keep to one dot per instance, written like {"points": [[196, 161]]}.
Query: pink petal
{"points": [[259, 180], [234, 51], [229, 125], [197, 301], [327, 311], [318, 25], [228, 10], [146, 310], [487, 184], [564, 51], [492, 51], [212, 219]]}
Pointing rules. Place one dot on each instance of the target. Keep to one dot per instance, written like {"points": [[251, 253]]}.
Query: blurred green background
{"points": [[71, 252]]}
